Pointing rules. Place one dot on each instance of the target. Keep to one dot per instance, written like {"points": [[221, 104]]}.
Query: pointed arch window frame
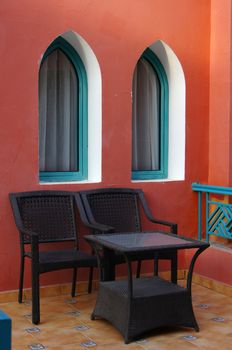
{"points": [[82, 115], [159, 70]]}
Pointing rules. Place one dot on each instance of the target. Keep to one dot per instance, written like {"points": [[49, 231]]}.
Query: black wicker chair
{"points": [[119, 210], [48, 217]]}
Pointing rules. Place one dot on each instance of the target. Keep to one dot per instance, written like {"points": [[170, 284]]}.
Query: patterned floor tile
{"points": [[66, 324]]}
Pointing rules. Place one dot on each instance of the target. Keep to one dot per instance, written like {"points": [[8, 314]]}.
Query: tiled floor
{"points": [[66, 325]]}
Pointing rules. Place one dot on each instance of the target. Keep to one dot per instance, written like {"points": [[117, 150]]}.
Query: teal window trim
{"points": [[162, 173], [82, 116]]}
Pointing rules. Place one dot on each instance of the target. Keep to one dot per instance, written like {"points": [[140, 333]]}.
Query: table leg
{"points": [[109, 266], [174, 268]]}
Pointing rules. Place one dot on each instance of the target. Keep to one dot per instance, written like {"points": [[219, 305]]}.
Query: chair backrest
{"points": [[116, 207], [51, 214]]}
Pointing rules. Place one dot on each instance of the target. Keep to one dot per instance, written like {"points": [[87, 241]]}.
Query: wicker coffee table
{"points": [[135, 306]]}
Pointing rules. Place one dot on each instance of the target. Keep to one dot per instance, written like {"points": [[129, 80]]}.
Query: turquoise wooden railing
{"points": [[218, 214]]}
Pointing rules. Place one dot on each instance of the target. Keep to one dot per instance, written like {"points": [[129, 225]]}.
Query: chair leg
{"points": [[156, 266], [20, 294], [74, 281], [139, 263], [35, 295], [90, 280]]}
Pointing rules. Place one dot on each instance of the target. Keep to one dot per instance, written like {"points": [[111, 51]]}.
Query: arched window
{"points": [[150, 119], [62, 114]]}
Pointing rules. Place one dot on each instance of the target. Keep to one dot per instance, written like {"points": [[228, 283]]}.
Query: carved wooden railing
{"points": [[218, 213]]}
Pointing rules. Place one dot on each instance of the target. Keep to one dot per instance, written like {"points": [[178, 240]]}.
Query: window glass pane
{"points": [[58, 103], [146, 118]]}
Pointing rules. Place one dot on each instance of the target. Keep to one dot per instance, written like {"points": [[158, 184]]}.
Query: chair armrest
{"points": [[151, 218], [96, 226], [25, 231], [165, 223], [92, 225], [34, 241]]}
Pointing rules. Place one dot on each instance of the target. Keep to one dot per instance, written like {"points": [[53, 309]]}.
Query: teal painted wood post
{"points": [[199, 215], [207, 216], [5, 331]]}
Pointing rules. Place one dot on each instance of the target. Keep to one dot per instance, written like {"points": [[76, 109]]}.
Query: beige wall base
{"points": [[65, 289], [213, 284], [46, 291]]}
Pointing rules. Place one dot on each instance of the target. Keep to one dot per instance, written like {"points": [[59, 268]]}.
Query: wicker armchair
{"points": [[47, 217], [116, 210]]}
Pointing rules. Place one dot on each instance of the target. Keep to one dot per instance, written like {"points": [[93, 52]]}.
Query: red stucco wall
{"points": [[220, 91], [118, 31], [216, 263]]}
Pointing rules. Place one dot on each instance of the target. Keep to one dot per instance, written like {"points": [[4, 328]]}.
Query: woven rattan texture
{"points": [[119, 210], [52, 217], [156, 303]]}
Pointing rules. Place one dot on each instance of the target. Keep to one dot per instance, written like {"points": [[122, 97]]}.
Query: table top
{"points": [[129, 242]]}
